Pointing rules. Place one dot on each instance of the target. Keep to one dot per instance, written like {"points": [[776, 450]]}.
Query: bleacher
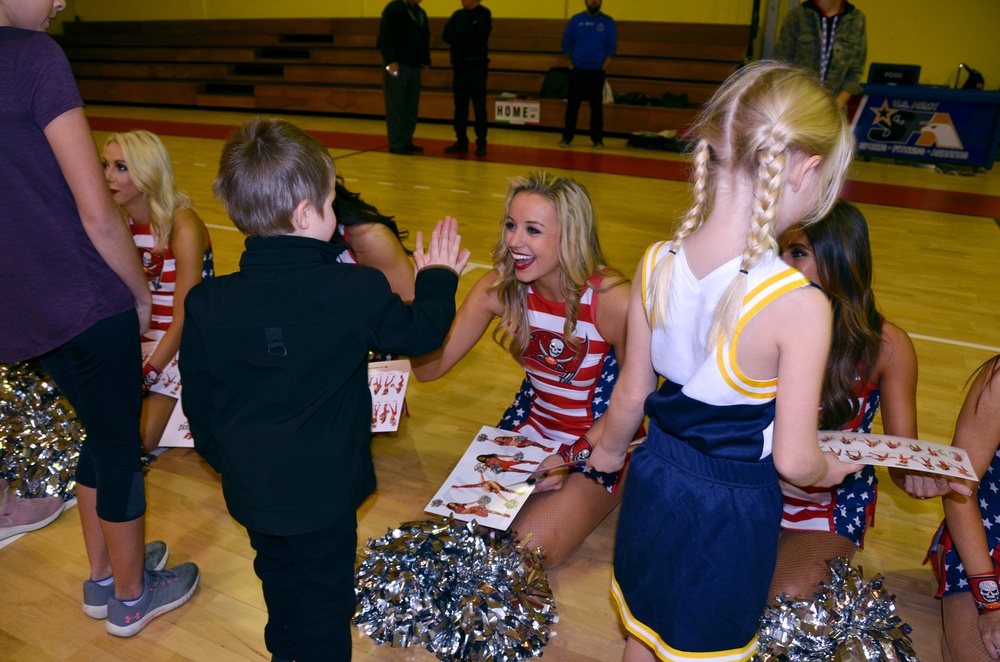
{"points": [[331, 65]]}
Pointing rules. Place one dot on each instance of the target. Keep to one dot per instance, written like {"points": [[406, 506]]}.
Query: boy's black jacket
{"points": [[274, 362]]}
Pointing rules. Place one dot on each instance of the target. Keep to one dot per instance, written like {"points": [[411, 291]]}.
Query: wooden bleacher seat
{"points": [[331, 65]]}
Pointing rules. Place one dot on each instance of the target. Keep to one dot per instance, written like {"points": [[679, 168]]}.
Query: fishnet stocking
{"points": [[802, 557], [962, 641], [560, 520]]}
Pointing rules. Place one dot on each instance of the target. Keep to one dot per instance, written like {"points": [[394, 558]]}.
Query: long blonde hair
{"points": [[580, 257], [152, 171], [755, 123]]}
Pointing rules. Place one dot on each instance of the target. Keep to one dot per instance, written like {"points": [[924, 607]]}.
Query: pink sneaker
{"points": [[21, 514]]}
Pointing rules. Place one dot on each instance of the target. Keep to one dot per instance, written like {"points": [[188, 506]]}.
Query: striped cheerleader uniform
{"points": [[563, 392], [161, 274], [849, 508], [698, 529]]}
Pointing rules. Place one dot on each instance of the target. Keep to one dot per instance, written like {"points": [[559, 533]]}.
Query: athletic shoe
{"points": [[564, 142], [405, 151], [163, 591], [456, 147], [96, 596], [23, 514], [415, 148], [599, 144], [480, 149]]}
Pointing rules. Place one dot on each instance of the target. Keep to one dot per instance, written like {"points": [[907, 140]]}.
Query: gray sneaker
{"points": [[95, 596], [163, 591]]}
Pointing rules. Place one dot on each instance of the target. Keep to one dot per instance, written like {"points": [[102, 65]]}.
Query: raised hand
{"points": [[444, 249]]}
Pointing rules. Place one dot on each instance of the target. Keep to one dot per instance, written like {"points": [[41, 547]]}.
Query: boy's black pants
{"points": [[308, 582]]}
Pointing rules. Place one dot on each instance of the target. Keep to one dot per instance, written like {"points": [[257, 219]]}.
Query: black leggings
{"points": [[99, 372]]}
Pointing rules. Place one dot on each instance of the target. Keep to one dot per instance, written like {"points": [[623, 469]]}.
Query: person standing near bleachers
{"points": [[589, 41], [404, 39], [827, 36], [468, 32]]}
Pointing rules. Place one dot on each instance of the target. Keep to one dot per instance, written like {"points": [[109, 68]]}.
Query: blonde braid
{"points": [[695, 216], [770, 174]]}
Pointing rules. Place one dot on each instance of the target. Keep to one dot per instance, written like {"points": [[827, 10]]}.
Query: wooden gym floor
{"points": [[936, 243]]}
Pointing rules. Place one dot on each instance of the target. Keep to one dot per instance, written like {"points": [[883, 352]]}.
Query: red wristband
{"points": [[150, 375], [985, 591], [578, 450]]}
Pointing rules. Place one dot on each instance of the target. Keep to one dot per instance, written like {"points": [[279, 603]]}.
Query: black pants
{"points": [[585, 84], [402, 101], [469, 83], [100, 373], [308, 582]]}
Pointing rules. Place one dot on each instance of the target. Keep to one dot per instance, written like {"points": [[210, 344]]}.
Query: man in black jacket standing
{"points": [[404, 38], [468, 32]]}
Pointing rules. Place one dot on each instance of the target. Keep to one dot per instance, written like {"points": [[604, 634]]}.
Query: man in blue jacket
{"points": [[590, 41]]}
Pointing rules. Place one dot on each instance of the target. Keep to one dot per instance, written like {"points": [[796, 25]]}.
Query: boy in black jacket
{"points": [[274, 362]]}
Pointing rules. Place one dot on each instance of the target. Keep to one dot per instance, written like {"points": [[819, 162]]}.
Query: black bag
{"points": [[650, 140], [669, 100], [556, 83], [632, 98]]}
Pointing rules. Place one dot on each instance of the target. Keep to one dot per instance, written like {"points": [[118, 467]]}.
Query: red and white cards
{"points": [[387, 382], [888, 451]]}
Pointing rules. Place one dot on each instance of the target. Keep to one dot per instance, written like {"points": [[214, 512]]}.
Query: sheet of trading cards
{"points": [[888, 451], [387, 382], [489, 482]]}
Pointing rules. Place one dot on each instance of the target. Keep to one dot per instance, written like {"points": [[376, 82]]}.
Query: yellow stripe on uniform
{"points": [[648, 267], [755, 301], [665, 652]]}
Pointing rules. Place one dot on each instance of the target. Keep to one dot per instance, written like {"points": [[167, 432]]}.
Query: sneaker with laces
{"points": [[163, 591], [96, 596], [22, 514]]}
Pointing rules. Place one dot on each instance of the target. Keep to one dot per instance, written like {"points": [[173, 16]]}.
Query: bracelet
{"points": [[608, 480], [150, 375], [578, 450], [985, 591]]}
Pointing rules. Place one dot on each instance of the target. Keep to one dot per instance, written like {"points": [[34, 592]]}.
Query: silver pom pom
{"points": [[40, 435], [848, 621], [462, 592]]}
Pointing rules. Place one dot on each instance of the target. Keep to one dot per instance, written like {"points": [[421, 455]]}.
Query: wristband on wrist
{"points": [[578, 450], [985, 591], [150, 375]]}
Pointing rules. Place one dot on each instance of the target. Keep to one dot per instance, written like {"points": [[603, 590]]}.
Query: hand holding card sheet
{"points": [[899, 452]]}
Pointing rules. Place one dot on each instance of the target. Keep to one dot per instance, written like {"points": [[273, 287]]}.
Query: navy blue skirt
{"points": [[695, 549]]}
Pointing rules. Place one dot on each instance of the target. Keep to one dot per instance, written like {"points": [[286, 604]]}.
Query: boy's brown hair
{"points": [[268, 166]]}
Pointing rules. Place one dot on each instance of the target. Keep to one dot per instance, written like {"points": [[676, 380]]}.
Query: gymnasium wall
{"points": [[936, 35]]}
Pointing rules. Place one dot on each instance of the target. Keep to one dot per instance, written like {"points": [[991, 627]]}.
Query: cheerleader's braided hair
{"points": [[754, 124]]}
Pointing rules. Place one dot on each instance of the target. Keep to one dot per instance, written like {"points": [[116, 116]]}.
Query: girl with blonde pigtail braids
{"points": [[737, 342]]}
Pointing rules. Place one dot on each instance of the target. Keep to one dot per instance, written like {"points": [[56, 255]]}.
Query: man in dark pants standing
{"points": [[404, 38], [590, 41], [468, 32]]}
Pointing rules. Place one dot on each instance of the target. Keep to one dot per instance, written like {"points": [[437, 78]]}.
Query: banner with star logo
{"points": [[915, 123]]}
